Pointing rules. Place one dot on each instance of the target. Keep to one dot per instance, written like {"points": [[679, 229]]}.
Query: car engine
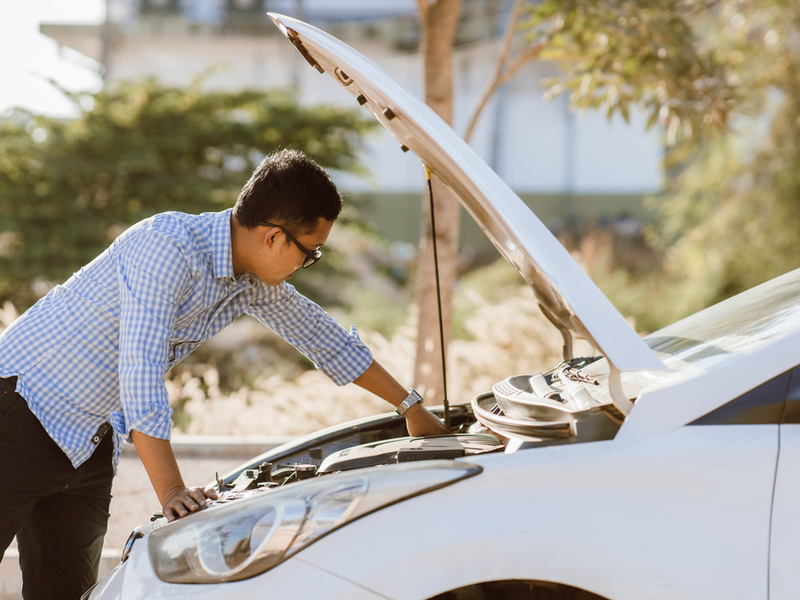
{"points": [[521, 411]]}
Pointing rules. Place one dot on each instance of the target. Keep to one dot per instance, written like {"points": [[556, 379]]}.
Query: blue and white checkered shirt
{"points": [[98, 347]]}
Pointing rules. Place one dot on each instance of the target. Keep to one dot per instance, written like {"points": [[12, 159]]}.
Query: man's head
{"points": [[289, 189], [283, 217]]}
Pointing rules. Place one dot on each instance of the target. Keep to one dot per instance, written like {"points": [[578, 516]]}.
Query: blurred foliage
{"points": [[69, 187], [723, 80], [616, 54]]}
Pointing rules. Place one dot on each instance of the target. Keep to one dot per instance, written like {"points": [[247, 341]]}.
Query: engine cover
{"points": [[410, 448]]}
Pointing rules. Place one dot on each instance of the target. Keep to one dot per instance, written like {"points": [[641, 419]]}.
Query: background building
{"points": [[565, 166]]}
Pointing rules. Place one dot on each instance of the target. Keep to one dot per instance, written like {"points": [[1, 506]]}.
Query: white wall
{"points": [[536, 146]]}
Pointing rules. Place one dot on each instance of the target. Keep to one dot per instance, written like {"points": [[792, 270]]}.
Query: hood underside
{"points": [[567, 296]]}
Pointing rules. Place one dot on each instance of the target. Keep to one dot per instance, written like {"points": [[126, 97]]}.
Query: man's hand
{"points": [[420, 421], [181, 501], [176, 499]]}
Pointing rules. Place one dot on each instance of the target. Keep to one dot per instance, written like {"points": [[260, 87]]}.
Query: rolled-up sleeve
{"points": [[152, 272], [337, 353]]}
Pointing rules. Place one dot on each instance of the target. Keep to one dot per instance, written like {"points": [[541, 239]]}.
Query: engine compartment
{"points": [[520, 412]]}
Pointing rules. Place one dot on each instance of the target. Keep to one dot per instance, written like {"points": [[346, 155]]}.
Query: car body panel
{"points": [[671, 407], [784, 576], [568, 296], [681, 515]]}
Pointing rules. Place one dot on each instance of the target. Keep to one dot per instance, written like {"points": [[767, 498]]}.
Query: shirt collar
{"points": [[221, 244]]}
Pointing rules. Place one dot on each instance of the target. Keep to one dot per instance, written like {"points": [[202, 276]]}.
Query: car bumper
{"points": [[136, 580]]}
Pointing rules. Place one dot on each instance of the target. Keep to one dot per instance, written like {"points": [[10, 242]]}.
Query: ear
{"points": [[271, 236]]}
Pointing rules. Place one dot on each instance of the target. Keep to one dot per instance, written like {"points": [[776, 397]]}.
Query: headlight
{"points": [[250, 536]]}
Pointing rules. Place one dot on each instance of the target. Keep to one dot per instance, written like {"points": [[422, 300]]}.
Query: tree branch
{"points": [[497, 72], [529, 54]]}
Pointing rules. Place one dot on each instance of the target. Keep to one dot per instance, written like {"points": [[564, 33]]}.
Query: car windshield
{"points": [[721, 333]]}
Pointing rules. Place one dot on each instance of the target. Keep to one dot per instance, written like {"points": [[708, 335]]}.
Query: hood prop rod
{"points": [[439, 302]]}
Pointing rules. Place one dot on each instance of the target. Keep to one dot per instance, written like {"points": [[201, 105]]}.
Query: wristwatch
{"points": [[412, 398]]}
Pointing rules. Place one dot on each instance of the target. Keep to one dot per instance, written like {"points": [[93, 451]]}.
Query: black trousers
{"points": [[58, 513]]}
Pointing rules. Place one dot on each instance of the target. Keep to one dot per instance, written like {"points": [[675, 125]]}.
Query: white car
{"points": [[662, 468]]}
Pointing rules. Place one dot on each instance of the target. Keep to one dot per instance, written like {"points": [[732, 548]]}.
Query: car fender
{"points": [[680, 515]]}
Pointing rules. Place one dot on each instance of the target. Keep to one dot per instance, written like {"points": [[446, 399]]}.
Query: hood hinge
{"points": [[566, 335], [618, 397]]}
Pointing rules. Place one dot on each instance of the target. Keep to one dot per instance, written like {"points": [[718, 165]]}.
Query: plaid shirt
{"points": [[98, 347]]}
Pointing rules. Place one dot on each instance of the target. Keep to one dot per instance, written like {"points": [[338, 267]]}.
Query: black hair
{"points": [[291, 189]]}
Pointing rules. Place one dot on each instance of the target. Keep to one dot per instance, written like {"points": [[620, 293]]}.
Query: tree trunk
{"points": [[438, 23]]}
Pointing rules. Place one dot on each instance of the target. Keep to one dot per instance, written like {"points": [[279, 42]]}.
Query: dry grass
{"points": [[8, 315]]}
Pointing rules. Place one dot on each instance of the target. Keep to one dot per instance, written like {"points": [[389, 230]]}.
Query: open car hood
{"points": [[567, 296]]}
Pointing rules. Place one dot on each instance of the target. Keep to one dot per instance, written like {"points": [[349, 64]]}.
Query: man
{"points": [[91, 357]]}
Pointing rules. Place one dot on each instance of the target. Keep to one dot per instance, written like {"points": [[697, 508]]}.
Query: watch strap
{"points": [[410, 400]]}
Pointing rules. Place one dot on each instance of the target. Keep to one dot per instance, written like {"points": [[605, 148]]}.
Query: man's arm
{"points": [[159, 461], [337, 354], [153, 275], [419, 420]]}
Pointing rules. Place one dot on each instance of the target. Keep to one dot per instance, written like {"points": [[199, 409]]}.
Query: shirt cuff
{"points": [[350, 363], [155, 423]]}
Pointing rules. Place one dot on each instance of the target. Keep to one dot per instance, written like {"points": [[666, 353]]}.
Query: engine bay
{"points": [[520, 412]]}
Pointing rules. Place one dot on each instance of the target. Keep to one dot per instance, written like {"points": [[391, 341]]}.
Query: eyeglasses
{"points": [[312, 256]]}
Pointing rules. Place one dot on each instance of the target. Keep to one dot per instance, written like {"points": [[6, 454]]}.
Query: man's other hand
{"points": [[421, 422], [181, 501]]}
